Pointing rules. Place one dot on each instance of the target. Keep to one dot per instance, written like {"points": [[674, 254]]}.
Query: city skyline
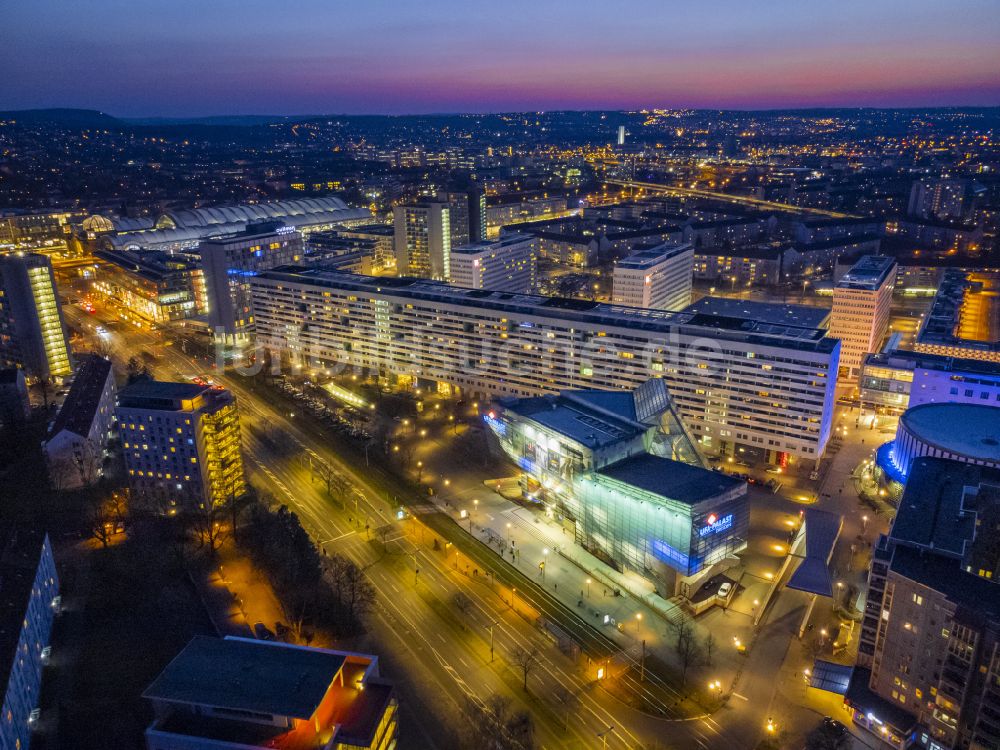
{"points": [[186, 60]]}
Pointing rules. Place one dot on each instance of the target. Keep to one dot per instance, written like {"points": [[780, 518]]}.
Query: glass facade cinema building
{"points": [[620, 468]]}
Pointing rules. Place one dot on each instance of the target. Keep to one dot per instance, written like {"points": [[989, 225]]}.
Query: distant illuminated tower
{"points": [[423, 240], [32, 329], [621, 135]]}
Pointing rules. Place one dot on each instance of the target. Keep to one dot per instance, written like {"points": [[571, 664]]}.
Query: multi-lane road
{"points": [[438, 642]]}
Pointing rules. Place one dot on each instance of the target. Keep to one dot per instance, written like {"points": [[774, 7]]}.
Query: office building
{"points": [[937, 199], [423, 240], [75, 444], [151, 285], [230, 261], [29, 601], [963, 319], [929, 649], [507, 264], [381, 235], [658, 277], [510, 208], [740, 267], [762, 390], [181, 442], [897, 379], [240, 693], [478, 226], [621, 135], [32, 329], [621, 470], [460, 218], [861, 302]]}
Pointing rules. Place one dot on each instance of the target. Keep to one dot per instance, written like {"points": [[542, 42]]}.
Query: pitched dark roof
{"points": [[78, 410]]}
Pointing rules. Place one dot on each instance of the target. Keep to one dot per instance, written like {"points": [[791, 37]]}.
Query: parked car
{"points": [[724, 590], [261, 632], [834, 727]]}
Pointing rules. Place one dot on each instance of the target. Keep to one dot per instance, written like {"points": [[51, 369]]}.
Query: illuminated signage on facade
{"points": [[715, 525]]}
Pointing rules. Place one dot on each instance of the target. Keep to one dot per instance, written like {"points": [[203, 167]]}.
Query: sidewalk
{"points": [[525, 539]]}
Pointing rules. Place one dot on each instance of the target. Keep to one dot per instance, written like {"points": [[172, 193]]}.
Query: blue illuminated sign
{"points": [[496, 425], [720, 524]]}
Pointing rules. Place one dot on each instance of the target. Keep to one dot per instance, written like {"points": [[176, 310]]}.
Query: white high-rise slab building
{"points": [[658, 277], [508, 264], [759, 389]]}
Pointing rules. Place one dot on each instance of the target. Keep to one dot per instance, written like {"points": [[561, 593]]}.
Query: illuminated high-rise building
{"points": [[861, 301], [937, 199], [181, 442], [423, 240], [658, 277], [32, 329], [229, 262]]}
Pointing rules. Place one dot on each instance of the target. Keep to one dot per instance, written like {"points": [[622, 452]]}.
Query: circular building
{"points": [[969, 433]]}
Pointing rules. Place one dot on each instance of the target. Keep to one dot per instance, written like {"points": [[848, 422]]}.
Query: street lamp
{"points": [[588, 588], [508, 532], [864, 524], [717, 686], [638, 619], [771, 726]]}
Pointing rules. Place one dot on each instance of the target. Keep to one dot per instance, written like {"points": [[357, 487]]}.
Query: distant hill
{"points": [[218, 120], [77, 118]]}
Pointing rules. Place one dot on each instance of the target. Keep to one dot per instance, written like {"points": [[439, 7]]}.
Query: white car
{"points": [[724, 590]]}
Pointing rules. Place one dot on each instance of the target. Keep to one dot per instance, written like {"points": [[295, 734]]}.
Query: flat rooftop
{"points": [[965, 312], [595, 419], [786, 334], [671, 479], [248, 675], [934, 512], [869, 273], [156, 394], [775, 313], [475, 248], [650, 256], [970, 430]]}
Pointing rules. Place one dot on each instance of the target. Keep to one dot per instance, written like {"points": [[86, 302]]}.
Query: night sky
{"points": [[185, 58]]}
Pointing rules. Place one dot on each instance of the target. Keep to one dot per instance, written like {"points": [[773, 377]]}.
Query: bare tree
{"points": [[463, 602], [525, 658], [568, 700], [88, 459], [336, 483], [494, 725], [106, 515], [708, 644], [687, 648], [62, 473], [206, 522], [351, 586]]}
